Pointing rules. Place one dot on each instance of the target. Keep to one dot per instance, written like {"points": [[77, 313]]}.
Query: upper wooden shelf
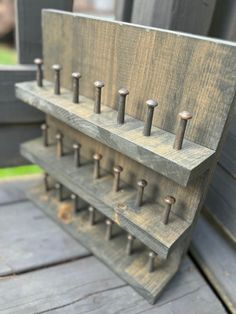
{"points": [[155, 152]]}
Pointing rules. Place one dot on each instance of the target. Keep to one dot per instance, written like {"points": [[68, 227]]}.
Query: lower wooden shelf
{"points": [[132, 268], [144, 223]]}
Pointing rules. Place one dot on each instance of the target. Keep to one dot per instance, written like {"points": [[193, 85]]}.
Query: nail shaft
{"points": [[151, 262], [75, 86], [139, 199], [184, 117], [44, 128], [129, 246], [59, 188], [39, 72], [76, 148], [151, 104], [57, 79], [123, 93], [109, 224], [116, 182], [169, 201], [92, 213], [96, 171], [75, 200], [98, 94], [59, 139]]}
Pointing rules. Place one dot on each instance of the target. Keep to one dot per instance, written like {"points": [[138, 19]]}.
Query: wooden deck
{"points": [[43, 269]]}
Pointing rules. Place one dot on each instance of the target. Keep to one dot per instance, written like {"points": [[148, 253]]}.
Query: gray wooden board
{"points": [[144, 223], [28, 26], [178, 15], [87, 286], [221, 200], [228, 154], [155, 152], [13, 110], [11, 136], [216, 257], [29, 240]]}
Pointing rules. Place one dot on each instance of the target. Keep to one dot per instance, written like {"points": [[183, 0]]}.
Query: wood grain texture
{"points": [[28, 26], [216, 256], [155, 152], [177, 15], [87, 285], [13, 110], [29, 240], [150, 63]]}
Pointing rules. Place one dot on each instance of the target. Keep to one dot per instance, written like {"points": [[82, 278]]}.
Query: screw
{"points": [[129, 246], [98, 93], [151, 261], [76, 148], [39, 72], [92, 213], [46, 183], [44, 128], [96, 173], [58, 187], [123, 93], [151, 104], [59, 139], [74, 199], [184, 117], [75, 82], [116, 183], [109, 224], [141, 185], [169, 200], [57, 69]]}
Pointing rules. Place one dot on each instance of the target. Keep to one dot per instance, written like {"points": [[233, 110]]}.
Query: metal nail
{"points": [[75, 85], [109, 224], [92, 212], [184, 117], [98, 94], [39, 72], [151, 261], [59, 187], [96, 173], [151, 104], [59, 139], [116, 182], [57, 88], [46, 183], [129, 246], [123, 93], [44, 128], [141, 185], [74, 199], [169, 201], [76, 148]]}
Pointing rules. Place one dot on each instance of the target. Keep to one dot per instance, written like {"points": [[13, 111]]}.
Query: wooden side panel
{"points": [[28, 26], [150, 64]]}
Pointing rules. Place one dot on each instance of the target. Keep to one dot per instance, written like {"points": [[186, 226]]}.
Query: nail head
{"points": [[38, 61], [117, 169], [151, 103], [142, 183], [169, 200], [56, 67], [76, 75], [185, 115], [97, 156], [123, 91], [99, 84]]}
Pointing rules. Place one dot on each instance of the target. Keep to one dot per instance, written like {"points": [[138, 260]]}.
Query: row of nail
{"points": [[117, 170], [129, 249], [122, 93]]}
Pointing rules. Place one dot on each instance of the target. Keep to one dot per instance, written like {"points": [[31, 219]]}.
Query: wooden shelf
{"points": [[144, 223], [155, 152], [133, 268]]}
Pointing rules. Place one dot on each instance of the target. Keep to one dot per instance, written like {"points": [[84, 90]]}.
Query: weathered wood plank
{"points": [[28, 26], [216, 256], [30, 240], [155, 152], [13, 110], [123, 10], [88, 286], [177, 15]]}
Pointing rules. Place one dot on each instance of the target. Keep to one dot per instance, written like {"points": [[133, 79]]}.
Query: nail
{"points": [[151, 104], [169, 201], [109, 224], [92, 213], [44, 128], [141, 185], [123, 93], [116, 182], [58, 187], [151, 261], [98, 94], [76, 148], [39, 72], [57, 88], [184, 117], [96, 173], [59, 139], [75, 84], [129, 246], [74, 199], [46, 183]]}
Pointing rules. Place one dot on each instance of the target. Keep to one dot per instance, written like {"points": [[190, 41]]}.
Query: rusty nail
{"points": [[98, 94], [123, 93], [96, 173], [39, 72], [184, 117], [44, 128], [76, 148], [141, 185], [169, 201], [129, 246], [75, 85], [109, 224], [59, 139], [151, 261], [92, 213], [151, 104], [116, 182], [57, 88]]}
